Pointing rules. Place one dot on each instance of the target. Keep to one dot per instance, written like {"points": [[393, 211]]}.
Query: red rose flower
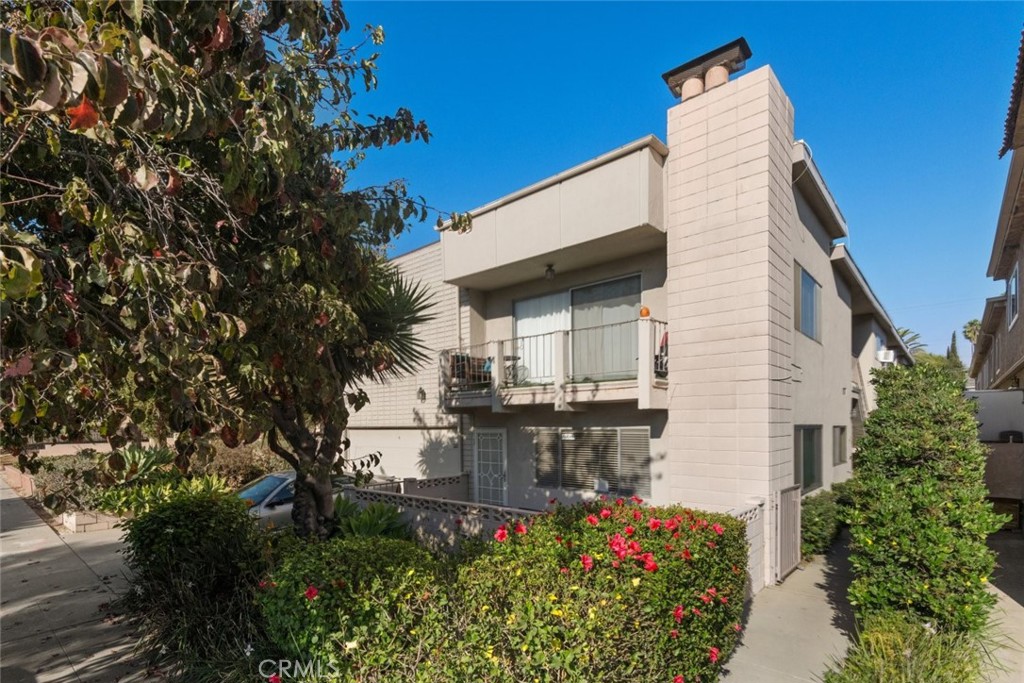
{"points": [[654, 524], [712, 545], [587, 561], [737, 628], [713, 654], [637, 515], [706, 599], [629, 530], [678, 679], [274, 678], [605, 513], [687, 555], [592, 520], [520, 528], [636, 499], [501, 535], [650, 565], [696, 611], [718, 528], [620, 502], [673, 633], [712, 591], [311, 592], [564, 570], [553, 501], [723, 600], [678, 613], [615, 564]]}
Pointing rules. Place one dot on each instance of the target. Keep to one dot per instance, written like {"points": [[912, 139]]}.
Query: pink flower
{"points": [[712, 545], [717, 528], [603, 497], [712, 591], [687, 555], [615, 564], [629, 530], [564, 570], [637, 515], [678, 679], [263, 584], [592, 520], [678, 613], [587, 561], [311, 592], [553, 501], [520, 528], [636, 499], [274, 678], [706, 598], [654, 524], [650, 565], [723, 600], [605, 513], [713, 654], [620, 502], [737, 628], [696, 611], [673, 633], [501, 534]]}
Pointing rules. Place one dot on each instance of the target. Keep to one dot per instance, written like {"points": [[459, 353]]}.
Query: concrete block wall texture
{"points": [[730, 272]]}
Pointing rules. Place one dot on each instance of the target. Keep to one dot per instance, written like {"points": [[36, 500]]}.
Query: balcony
{"points": [[618, 363]]}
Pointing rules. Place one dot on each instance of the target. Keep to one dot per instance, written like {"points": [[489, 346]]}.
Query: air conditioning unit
{"points": [[886, 356]]}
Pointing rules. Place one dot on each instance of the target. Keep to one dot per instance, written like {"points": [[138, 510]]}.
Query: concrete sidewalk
{"points": [[797, 629], [52, 593]]}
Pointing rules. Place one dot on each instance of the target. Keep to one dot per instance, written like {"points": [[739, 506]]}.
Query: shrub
{"points": [[353, 606], [820, 523], [920, 516], [241, 465], [598, 592], [376, 519], [895, 649], [67, 483], [133, 463], [135, 499], [195, 562], [845, 491]]}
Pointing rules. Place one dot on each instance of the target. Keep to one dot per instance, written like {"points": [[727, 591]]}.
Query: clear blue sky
{"points": [[903, 105]]}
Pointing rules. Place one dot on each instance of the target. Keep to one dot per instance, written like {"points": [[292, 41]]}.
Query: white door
{"points": [[489, 456], [536, 320]]}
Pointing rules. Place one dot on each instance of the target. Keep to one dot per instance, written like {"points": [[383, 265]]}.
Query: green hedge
{"points": [[353, 606], [820, 522], [600, 592], [920, 517], [892, 648], [195, 562]]}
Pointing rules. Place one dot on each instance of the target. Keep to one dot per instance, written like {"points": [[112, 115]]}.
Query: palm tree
{"points": [[971, 332], [911, 339]]}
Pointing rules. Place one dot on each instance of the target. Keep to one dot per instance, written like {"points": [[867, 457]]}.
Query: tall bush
{"points": [[820, 522], [196, 561], [920, 517]]}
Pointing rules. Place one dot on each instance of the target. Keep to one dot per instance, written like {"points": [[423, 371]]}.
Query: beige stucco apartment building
{"points": [[677, 320], [998, 360]]}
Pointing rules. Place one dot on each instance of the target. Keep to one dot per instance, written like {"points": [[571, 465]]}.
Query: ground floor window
{"points": [[615, 458], [807, 456], [839, 445]]}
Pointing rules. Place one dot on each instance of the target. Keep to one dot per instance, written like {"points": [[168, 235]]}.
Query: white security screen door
{"points": [[489, 446], [536, 319]]}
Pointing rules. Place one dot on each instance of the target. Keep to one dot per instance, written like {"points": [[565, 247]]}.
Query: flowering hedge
{"points": [[607, 591]]}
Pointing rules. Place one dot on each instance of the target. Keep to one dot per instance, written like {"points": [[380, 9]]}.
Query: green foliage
{"points": [[195, 563], [820, 522], [920, 518], [238, 466], [377, 519], [179, 230], [972, 329], [892, 648], [533, 607], [135, 499], [355, 605], [133, 464], [953, 356], [67, 483]]}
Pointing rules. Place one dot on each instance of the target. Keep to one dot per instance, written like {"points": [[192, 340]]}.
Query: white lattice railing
{"points": [[753, 517], [440, 520]]}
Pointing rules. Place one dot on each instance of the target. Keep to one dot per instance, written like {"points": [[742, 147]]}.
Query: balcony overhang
{"points": [[809, 181], [613, 204], [1010, 228], [991, 319]]}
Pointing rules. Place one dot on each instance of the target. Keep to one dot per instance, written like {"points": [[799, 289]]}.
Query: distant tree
{"points": [[952, 355], [911, 339], [971, 331]]}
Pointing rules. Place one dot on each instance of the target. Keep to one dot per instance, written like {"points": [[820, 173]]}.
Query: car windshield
{"points": [[261, 488]]}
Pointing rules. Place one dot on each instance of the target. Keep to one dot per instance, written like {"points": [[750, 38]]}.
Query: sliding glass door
{"points": [[604, 330]]}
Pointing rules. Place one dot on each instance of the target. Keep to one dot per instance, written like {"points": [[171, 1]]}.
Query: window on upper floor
{"points": [[1013, 297], [807, 309]]}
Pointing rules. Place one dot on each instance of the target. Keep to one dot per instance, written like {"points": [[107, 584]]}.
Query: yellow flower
{"points": [[574, 588], [603, 603], [524, 648], [485, 608], [410, 572], [552, 597], [519, 572], [557, 612], [984, 579], [590, 613], [636, 582], [618, 596]]}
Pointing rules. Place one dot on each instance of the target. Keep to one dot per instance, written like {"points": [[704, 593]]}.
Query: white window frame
{"points": [[1013, 297]]}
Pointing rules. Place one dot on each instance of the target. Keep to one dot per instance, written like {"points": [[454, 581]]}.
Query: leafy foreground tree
{"points": [[178, 229]]}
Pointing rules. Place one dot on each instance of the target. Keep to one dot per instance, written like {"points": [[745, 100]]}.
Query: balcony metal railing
{"points": [[635, 349]]}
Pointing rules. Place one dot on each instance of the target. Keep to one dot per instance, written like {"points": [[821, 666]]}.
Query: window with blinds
{"points": [[576, 458]]}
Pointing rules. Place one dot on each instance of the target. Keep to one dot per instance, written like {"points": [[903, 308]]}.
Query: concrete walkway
{"points": [[797, 629], [53, 591]]}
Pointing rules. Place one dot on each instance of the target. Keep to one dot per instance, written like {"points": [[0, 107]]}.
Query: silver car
{"points": [[271, 496]]}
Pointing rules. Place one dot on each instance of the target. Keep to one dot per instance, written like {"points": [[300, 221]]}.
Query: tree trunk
{"points": [[313, 461]]}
